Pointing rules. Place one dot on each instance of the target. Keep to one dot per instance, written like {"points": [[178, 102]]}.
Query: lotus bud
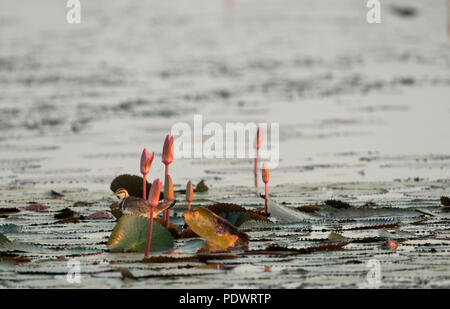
{"points": [[167, 155], [168, 188], [154, 193], [146, 161], [265, 173], [189, 192]]}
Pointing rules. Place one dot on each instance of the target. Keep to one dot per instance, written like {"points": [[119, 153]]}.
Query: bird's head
{"points": [[121, 193]]}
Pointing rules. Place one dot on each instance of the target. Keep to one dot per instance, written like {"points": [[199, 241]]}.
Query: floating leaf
{"points": [[222, 209], [256, 224], [425, 212], [396, 234], [35, 207], [235, 218], [127, 276], [18, 260], [55, 194], [99, 215], [82, 204], [131, 233], [8, 245], [321, 247], [376, 226], [218, 232], [284, 214], [336, 237], [4, 241], [445, 201], [309, 208], [10, 228], [66, 213], [7, 211], [201, 187], [338, 204]]}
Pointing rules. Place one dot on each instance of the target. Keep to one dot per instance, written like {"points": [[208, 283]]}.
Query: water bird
{"points": [[136, 205]]}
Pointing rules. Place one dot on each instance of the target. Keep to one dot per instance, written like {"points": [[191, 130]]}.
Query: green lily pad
{"points": [[131, 232], [256, 224], [10, 228], [235, 218], [336, 237], [4, 241], [396, 234], [8, 245]]}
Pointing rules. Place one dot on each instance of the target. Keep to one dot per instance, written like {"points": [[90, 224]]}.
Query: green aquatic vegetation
{"points": [[7, 245], [10, 228], [130, 234], [395, 234]]}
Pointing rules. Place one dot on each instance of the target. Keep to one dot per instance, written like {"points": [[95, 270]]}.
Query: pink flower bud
{"points": [[265, 173], [168, 188], [146, 161], [155, 191], [167, 155], [189, 192]]}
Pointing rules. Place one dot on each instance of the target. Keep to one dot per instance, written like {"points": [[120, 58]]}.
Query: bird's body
{"points": [[136, 205]]}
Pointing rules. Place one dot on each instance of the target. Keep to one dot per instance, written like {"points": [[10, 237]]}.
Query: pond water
{"points": [[363, 111]]}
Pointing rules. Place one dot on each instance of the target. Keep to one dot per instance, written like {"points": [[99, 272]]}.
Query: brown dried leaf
{"points": [[218, 232]]}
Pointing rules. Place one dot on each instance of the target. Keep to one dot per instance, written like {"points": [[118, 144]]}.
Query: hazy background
{"points": [[355, 101]]}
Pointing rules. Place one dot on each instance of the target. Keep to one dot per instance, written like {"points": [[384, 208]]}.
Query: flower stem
{"points": [[255, 170], [144, 187], [150, 230], [265, 202]]}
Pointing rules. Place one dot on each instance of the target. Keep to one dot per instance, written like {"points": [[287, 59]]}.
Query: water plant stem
{"points": [[150, 230], [256, 169], [144, 186], [265, 200], [166, 215]]}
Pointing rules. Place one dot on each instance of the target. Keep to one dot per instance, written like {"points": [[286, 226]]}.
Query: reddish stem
{"points": [[265, 202], [150, 230], [144, 187], [166, 215], [189, 205], [256, 169]]}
